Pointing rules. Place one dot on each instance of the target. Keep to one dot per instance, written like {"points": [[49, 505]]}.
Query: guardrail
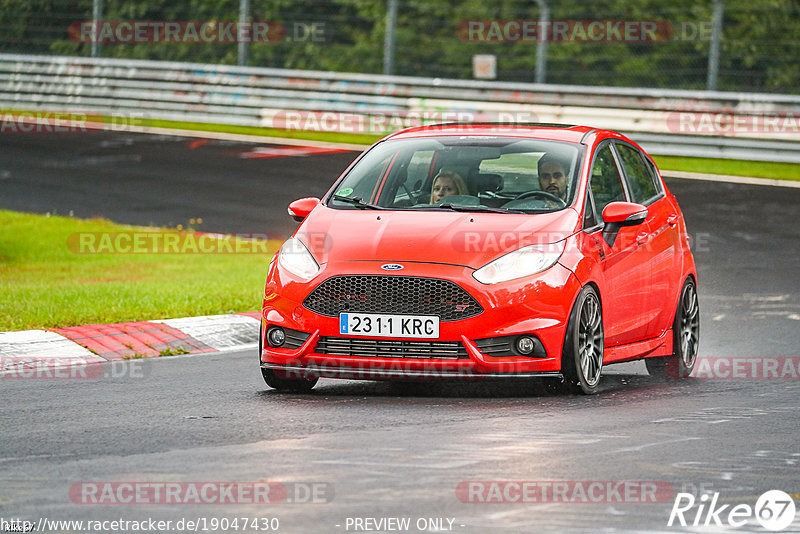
{"points": [[691, 123]]}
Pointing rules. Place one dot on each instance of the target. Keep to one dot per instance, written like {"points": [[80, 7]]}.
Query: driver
{"points": [[553, 176]]}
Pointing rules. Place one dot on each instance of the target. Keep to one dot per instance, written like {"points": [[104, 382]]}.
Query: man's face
{"points": [[553, 179]]}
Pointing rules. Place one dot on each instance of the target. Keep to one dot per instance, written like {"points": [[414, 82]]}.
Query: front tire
{"points": [[297, 385], [685, 338], [582, 357], [281, 383]]}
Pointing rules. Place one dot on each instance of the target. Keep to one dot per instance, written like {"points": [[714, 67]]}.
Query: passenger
{"points": [[445, 184], [553, 176]]}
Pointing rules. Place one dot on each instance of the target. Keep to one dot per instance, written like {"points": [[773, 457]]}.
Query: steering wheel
{"points": [[543, 194]]}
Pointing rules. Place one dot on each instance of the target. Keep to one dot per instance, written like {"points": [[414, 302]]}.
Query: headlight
{"points": [[523, 262], [295, 258]]}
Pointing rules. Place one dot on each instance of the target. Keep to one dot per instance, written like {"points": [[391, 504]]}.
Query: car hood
{"points": [[454, 238]]}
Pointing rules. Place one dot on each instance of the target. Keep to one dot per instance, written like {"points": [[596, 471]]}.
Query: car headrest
{"points": [[489, 182]]}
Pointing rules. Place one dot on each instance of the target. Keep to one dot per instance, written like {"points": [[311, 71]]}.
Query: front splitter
{"points": [[379, 374]]}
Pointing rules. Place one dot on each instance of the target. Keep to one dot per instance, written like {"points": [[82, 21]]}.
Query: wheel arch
{"points": [[677, 298], [595, 286]]}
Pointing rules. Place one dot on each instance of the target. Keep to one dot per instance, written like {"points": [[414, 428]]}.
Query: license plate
{"points": [[375, 324]]}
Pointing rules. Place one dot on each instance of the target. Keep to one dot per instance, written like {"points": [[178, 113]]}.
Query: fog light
{"points": [[525, 345], [276, 336]]}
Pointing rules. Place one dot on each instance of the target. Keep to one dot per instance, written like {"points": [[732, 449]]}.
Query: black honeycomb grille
{"points": [[392, 294]]}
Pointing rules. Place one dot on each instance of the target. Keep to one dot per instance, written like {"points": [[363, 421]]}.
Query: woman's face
{"points": [[443, 187]]}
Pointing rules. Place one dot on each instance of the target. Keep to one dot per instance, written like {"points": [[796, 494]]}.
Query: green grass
{"points": [[45, 280], [173, 352], [735, 167]]}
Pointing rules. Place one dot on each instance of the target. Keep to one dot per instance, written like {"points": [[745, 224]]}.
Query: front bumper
{"points": [[537, 306]]}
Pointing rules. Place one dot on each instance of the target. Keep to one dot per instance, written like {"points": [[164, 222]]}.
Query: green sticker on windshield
{"points": [[345, 192]]}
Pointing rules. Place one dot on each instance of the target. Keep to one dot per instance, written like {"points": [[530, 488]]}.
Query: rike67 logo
{"points": [[774, 510]]}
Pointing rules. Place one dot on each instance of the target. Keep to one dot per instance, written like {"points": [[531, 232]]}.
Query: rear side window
{"points": [[606, 182], [654, 174], [640, 176]]}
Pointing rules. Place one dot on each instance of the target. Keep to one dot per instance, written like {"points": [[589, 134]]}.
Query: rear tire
{"points": [[582, 357], [685, 338]]}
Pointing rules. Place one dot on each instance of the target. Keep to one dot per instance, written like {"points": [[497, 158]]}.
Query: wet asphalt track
{"points": [[160, 180], [385, 450]]}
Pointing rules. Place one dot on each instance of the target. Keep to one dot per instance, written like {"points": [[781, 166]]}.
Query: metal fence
{"points": [[692, 123], [730, 45]]}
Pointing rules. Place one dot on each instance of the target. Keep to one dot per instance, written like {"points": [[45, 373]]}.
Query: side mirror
{"points": [[299, 209], [619, 214]]}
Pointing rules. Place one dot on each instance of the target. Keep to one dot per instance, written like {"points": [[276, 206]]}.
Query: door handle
{"points": [[672, 220], [642, 238]]}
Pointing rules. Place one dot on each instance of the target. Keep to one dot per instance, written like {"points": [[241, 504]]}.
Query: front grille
{"points": [[381, 348], [392, 294]]}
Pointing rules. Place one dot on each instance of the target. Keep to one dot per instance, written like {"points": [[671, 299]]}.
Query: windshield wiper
{"points": [[358, 202], [478, 208]]}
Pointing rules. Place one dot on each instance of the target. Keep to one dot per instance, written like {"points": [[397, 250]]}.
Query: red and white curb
{"points": [[37, 348], [121, 341], [220, 331], [263, 152]]}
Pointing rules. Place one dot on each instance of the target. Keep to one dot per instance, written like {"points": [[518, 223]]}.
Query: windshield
{"points": [[498, 174]]}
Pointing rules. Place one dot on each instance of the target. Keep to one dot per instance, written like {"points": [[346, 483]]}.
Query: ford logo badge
{"points": [[391, 267]]}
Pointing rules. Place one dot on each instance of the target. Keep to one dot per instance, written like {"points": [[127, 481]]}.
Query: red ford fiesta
{"points": [[480, 250]]}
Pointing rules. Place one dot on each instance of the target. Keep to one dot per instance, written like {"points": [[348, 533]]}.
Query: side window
{"points": [[605, 182], [366, 178], [418, 168], [640, 178], [408, 192]]}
